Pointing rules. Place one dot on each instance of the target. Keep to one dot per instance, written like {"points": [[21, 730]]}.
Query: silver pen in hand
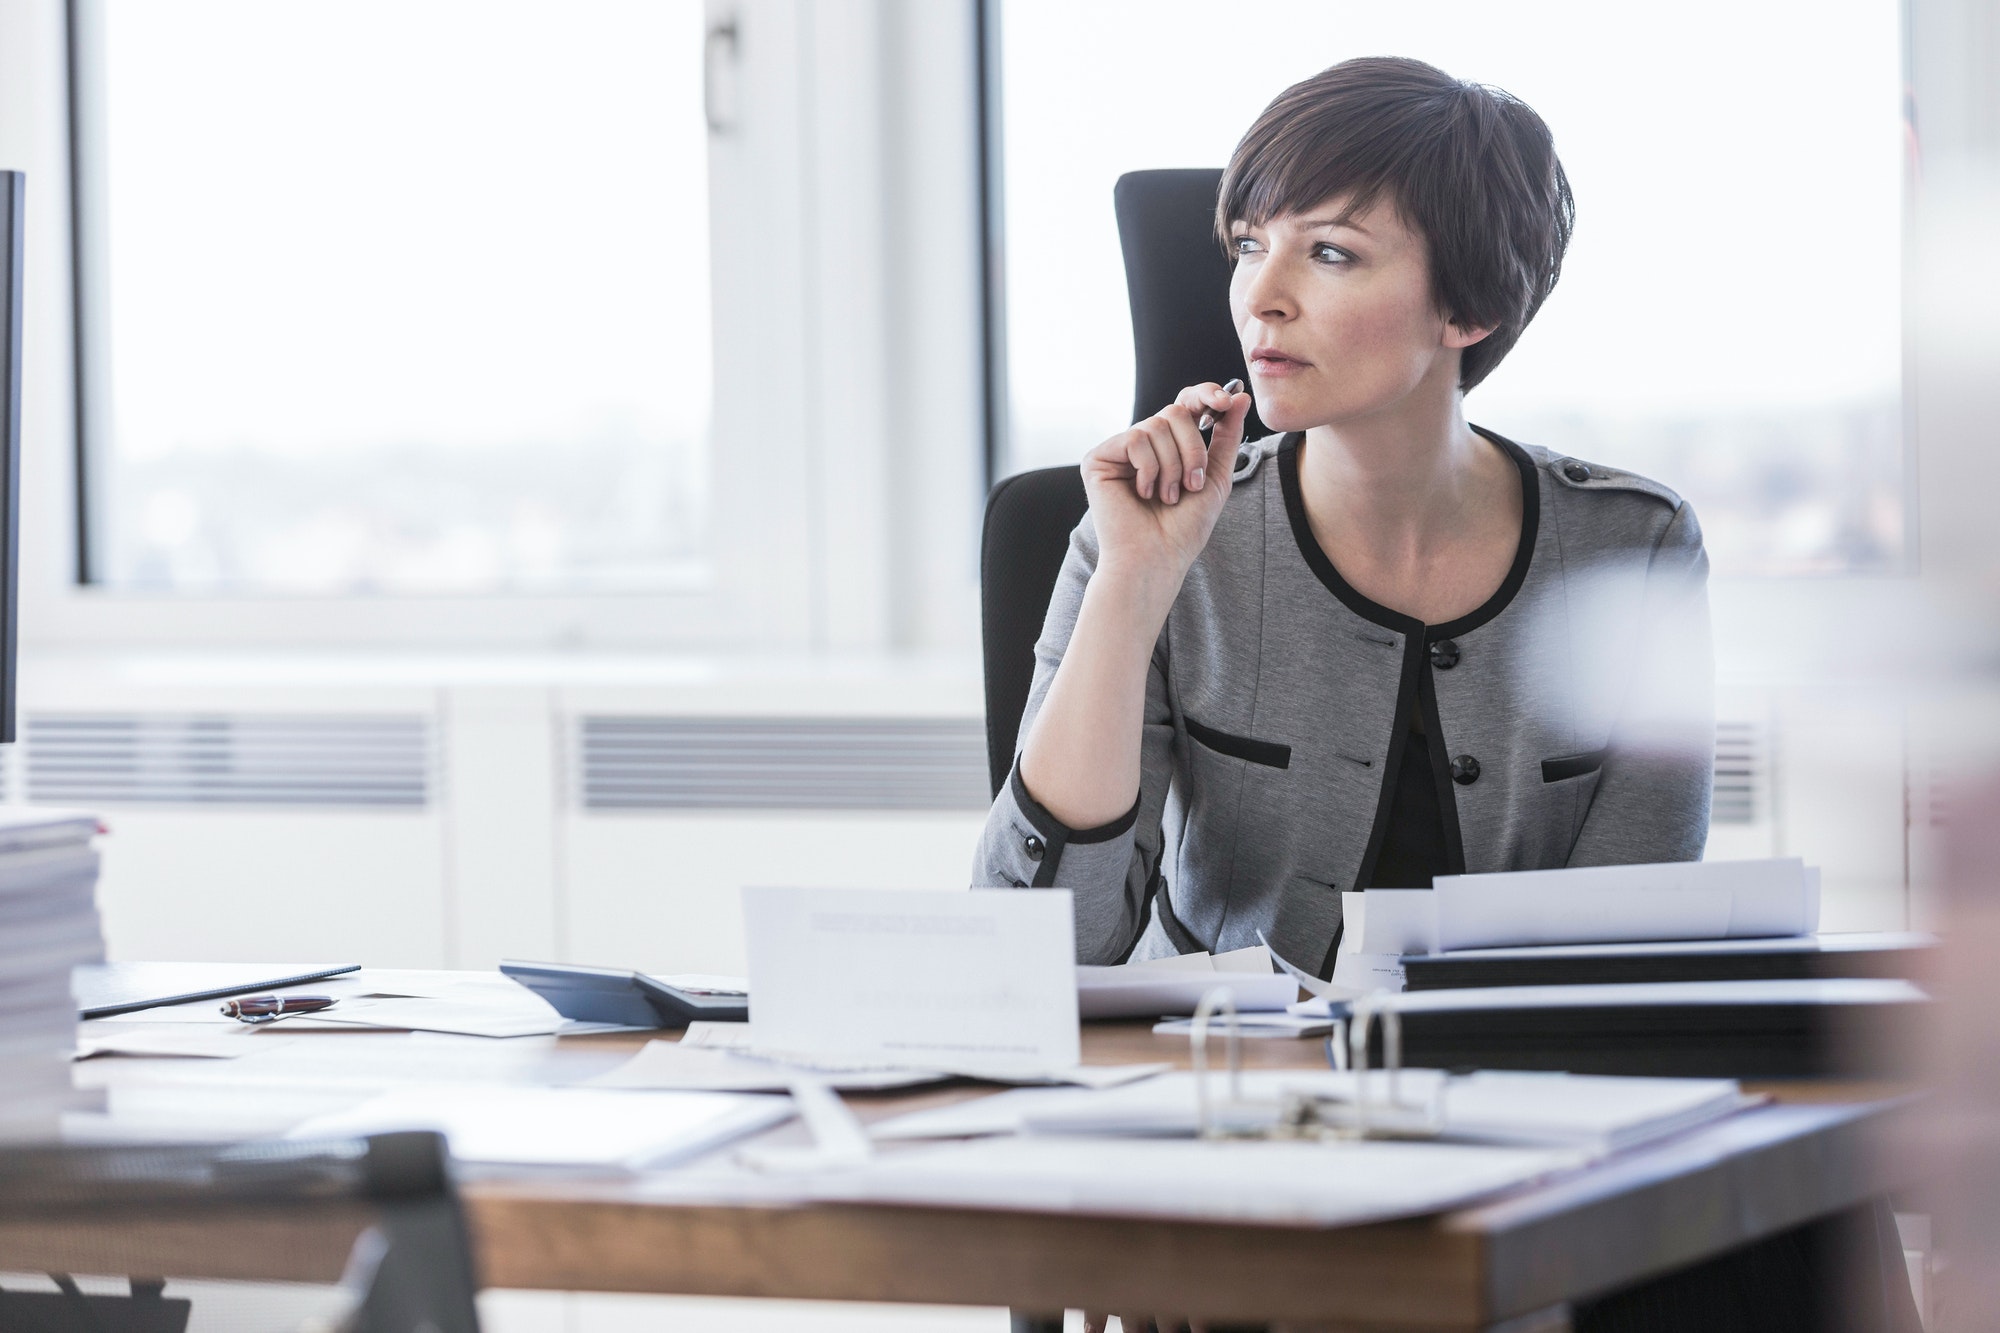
{"points": [[1207, 421]]}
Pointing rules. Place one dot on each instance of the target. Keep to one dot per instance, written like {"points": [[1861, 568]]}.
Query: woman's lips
{"points": [[1270, 364]]}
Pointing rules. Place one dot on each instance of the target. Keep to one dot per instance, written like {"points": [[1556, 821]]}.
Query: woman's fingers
{"points": [[1227, 436], [1203, 398], [1178, 449], [1164, 435]]}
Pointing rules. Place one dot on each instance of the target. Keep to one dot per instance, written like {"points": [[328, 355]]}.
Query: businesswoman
{"points": [[1382, 644]]}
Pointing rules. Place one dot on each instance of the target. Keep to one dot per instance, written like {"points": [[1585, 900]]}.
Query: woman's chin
{"points": [[1283, 419]]}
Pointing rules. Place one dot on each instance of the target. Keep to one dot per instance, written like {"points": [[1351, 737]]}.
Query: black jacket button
{"points": [[1034, 846], [1576, 472], [1444, 654], [1465, 770]]}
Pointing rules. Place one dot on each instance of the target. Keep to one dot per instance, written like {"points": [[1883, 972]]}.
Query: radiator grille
{"points": [[1742, 773], [338, 761], [657, 763]]}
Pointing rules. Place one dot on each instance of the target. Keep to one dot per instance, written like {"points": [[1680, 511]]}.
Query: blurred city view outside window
{"points": [[398, 296], [1729, 317]]}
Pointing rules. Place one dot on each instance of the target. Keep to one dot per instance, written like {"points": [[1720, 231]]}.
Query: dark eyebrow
{"points": [[1337, 222]]}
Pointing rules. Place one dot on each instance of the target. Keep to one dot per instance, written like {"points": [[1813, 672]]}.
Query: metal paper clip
{"points": [[1219, 998], [1367, 1116]]}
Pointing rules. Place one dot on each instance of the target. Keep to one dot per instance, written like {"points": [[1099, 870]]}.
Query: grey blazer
{"points": [[1571, 718]]}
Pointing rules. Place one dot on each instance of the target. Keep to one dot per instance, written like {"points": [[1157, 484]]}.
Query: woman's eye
{"points": [[1244, 245], [1330, 254]]}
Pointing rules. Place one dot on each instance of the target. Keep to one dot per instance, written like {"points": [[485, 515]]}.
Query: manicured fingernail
{"points": [[1195, 478]]}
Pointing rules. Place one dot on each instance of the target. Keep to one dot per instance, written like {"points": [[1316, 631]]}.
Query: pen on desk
{"points": [[1207, 421], [265, 1008]]}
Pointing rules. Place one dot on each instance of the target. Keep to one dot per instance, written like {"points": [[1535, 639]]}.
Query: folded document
{"points": [[1176, 985]]}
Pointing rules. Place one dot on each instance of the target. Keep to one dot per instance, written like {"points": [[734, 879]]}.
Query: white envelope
{"points": [[981, 979]]}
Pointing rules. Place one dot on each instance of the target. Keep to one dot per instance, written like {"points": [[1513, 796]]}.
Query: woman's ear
{"points": [[1456, 335]]}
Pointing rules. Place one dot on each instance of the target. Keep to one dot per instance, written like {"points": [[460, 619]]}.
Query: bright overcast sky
{"points": [[373, 222]]}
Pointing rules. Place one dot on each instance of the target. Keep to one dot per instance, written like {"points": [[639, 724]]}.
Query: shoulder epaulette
{"points": [[1577, 475]]}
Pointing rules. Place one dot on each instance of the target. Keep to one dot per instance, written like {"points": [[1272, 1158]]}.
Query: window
{"points": [[395, 296], [1728, 320]]}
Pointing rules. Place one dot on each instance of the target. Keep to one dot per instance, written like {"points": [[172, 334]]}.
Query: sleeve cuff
{"points": [[1043, 848], [1054, 829]]}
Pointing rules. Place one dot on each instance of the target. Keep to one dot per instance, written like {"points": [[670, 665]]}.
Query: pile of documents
{"points": [[48, 924], [1678, 900]]}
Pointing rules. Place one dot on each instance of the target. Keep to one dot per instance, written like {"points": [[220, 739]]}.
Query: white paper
{"points": [[1678, 900], [853, 1075], [1392, 921], [720, 1036], [1153, 995], [978, 979], [190, 1041], [570, 1127], [1318, 1184], [1798, 990], [1256, 1025], [1597, 1114], [677, 1065], [472, 1018], [1175, 984]]}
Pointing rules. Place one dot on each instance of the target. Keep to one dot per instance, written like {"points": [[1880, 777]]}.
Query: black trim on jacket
{"points": [[1057, 836], [1416, 686]]}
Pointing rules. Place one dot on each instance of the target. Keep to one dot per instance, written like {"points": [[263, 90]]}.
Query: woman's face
{"points": [[1336, 318]]}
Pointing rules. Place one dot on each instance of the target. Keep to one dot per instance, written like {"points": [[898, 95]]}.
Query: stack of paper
{"points": [[48, 924], [1897, 954], [1676, 900], [1865, 1027]]}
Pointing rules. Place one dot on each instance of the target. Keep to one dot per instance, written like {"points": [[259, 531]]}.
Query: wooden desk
{"points": [[1515, 1264]]}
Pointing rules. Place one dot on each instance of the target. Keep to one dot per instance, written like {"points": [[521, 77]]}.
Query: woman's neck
{"points": [[1395, 482], [1414, 508]]}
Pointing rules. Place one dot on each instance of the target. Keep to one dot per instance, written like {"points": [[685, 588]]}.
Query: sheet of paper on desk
{"points": [[973, 979], [1596, 1114], [504, 1015], [570, 1127], [835, 1073], [675, 1064], [1175, 985], [367, 984], [1680, 900], [189, 1041], [1318, 1183]]}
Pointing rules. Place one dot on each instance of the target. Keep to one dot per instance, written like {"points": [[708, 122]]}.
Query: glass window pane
{"points": [[402, 296], [1728, 320]]}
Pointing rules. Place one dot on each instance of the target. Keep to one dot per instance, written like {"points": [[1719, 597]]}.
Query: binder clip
{"points": [[1372, 1112]]}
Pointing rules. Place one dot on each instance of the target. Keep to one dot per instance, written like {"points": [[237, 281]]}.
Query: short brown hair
{"points": [[1470, 168]]}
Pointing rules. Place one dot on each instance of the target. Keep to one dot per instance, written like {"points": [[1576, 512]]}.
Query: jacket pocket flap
{"points": [[1572, 766], [1268, 753]]}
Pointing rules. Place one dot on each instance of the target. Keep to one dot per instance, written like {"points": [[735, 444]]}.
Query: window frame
{"points": [[818, 496]]}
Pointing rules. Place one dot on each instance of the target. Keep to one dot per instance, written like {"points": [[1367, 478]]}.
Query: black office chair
{"points": [[136, 1213], [1177, 280]]}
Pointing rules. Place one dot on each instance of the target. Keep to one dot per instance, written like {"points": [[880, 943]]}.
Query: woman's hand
{"points": [[1157, 489]]}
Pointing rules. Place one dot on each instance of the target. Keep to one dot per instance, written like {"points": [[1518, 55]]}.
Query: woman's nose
{"points": [[1266, 293]]}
